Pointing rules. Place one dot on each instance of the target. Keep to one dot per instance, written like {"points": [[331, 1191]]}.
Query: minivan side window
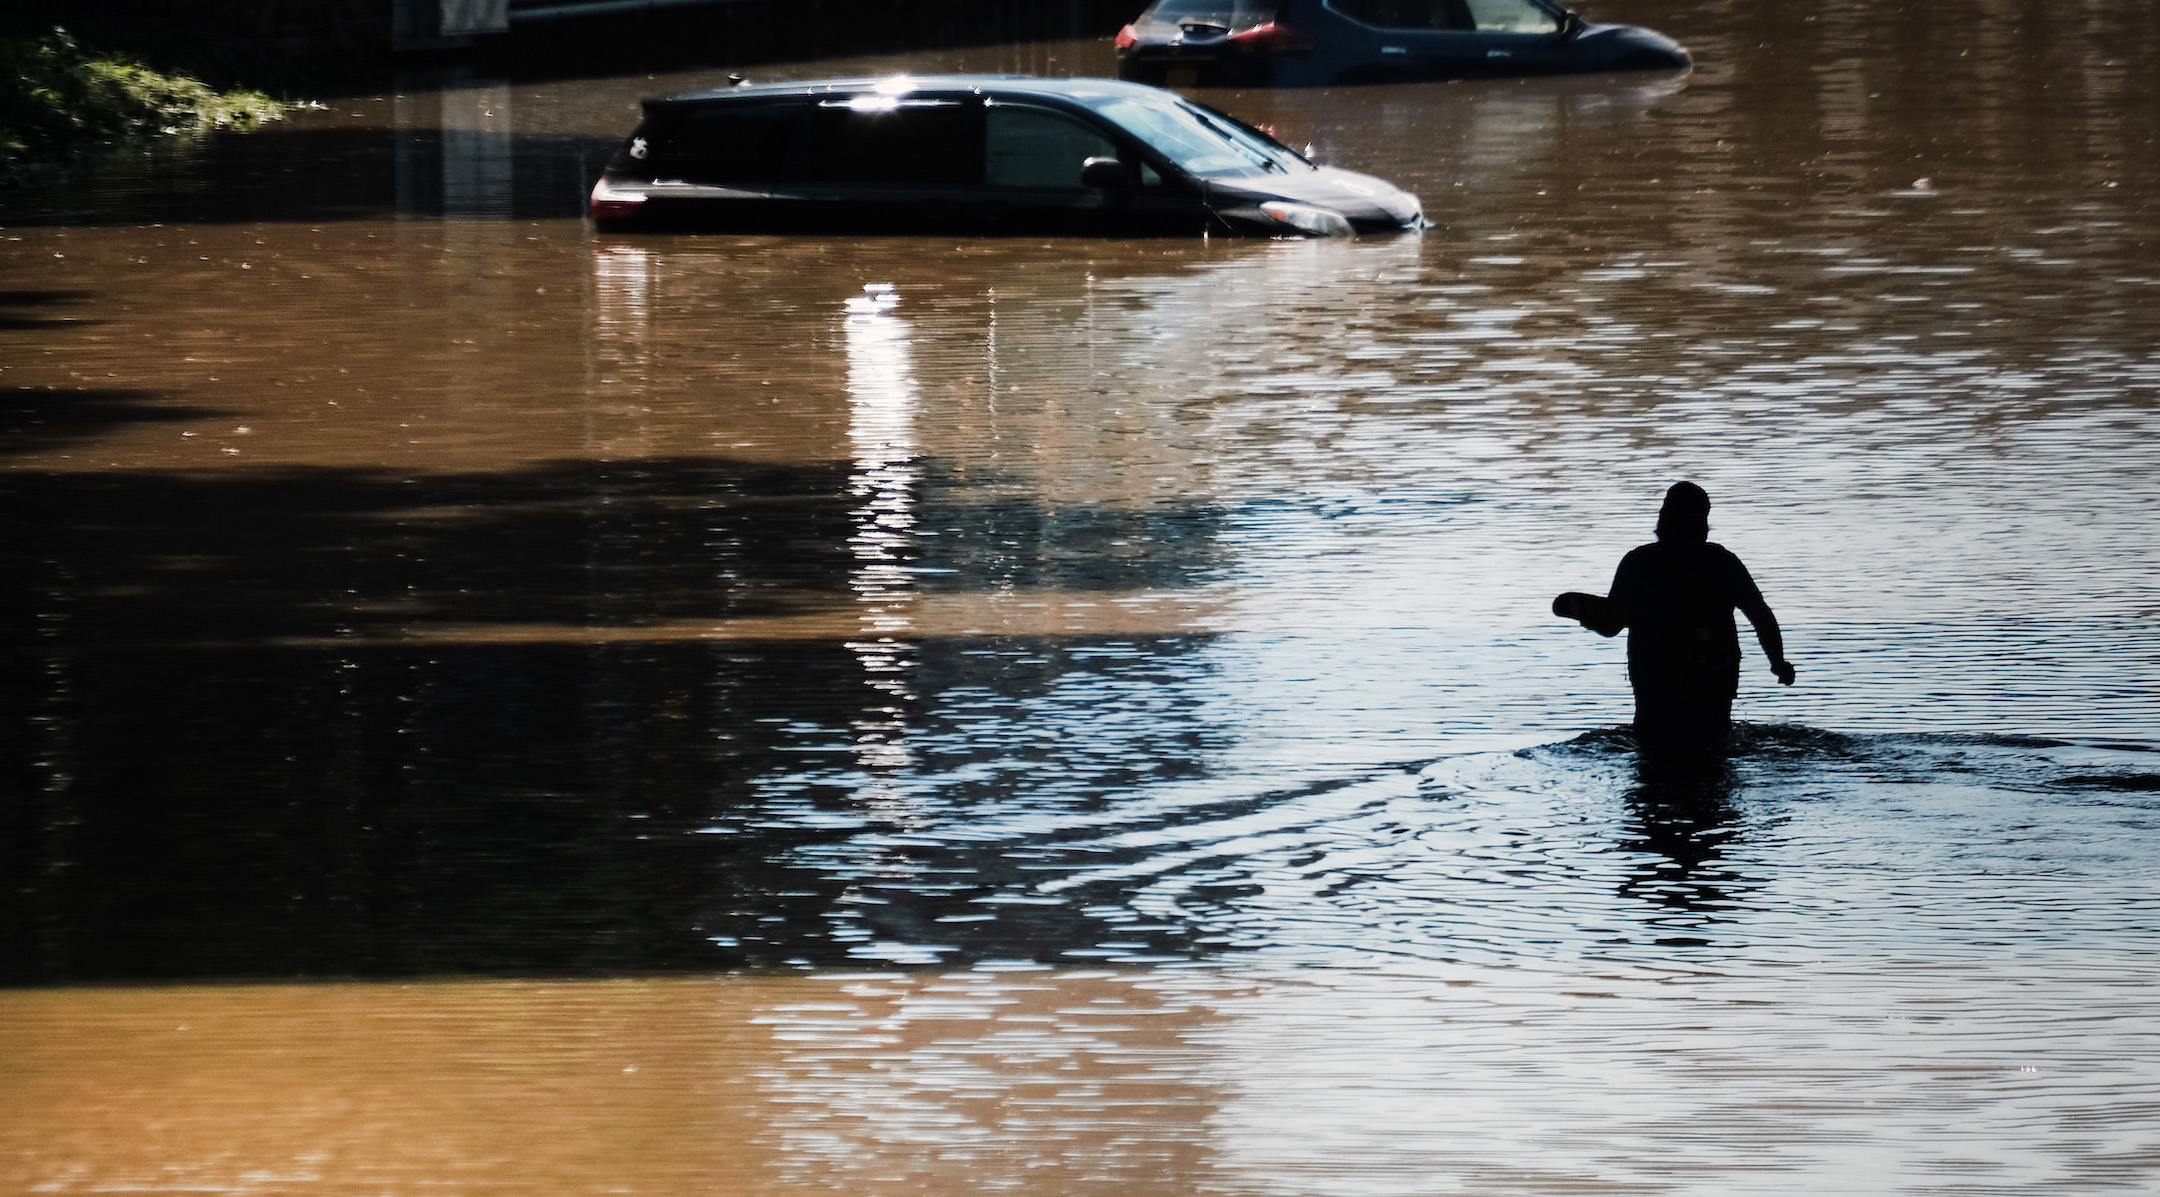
{"points": [[907, 142], [1029, 147]]}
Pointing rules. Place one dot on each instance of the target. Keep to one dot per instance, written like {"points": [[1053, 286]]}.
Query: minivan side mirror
{"points": [[1103, 174]]}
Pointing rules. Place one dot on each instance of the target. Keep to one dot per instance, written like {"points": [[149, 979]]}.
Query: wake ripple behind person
{"points": [[1676, 597]]}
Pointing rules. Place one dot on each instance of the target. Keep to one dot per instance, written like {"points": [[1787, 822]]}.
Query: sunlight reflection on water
{"points": [[1876, 1076]]}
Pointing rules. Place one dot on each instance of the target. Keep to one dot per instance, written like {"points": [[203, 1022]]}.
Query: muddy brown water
{"points": [[495, 708]]}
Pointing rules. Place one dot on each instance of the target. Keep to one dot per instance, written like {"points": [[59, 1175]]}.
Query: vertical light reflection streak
{"points": [[621, 373], [621, 378], [882, 402], [623, 276], [477, 155], [621, 367]]}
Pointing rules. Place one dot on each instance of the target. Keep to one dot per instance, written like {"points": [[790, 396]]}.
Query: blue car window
{"points": [[1512, 16], [1187, 137], [1028, 147], [1408, 14]]}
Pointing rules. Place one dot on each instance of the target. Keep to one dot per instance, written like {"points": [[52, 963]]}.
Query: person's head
{"points": [[1685, 517]]}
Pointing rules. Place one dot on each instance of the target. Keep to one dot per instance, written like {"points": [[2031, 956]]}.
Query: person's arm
{"points": [[1589, 610], [1619, 609], [1607, 615], [1767, 632]]}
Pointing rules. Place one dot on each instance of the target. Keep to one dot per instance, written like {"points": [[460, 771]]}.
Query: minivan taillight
{"points": [[614, 203], [1126, 39], [1275, 37]]}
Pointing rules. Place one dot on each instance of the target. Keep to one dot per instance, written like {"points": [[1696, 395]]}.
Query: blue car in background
{"points": [[1318, 43]]}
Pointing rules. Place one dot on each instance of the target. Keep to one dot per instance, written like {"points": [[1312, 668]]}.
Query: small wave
{"points": [[2129, 783], [1802, 841]]}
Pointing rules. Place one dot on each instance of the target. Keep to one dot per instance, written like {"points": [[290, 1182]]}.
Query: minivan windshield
{"points": [[1200, 142]]}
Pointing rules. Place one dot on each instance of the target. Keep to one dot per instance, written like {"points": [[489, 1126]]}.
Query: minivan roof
{"points": [[1005, 85]]}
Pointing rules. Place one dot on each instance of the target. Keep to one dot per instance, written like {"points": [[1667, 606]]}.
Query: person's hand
{"points": [[1784, 671]]}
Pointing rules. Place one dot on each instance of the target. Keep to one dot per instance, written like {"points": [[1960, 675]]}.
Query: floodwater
{"points": [[492, 708]]}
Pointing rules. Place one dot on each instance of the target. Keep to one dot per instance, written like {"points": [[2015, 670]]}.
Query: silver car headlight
{"points": [[1314, 222]]}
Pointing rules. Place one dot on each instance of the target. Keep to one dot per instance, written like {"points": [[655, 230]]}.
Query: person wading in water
{"points": [[1676, 598]]}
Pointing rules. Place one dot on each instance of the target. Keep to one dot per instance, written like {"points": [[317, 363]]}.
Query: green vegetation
{"points": [[59, 102]]}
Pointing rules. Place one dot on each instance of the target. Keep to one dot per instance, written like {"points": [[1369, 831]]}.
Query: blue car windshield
{"points": [[1203, 144]]}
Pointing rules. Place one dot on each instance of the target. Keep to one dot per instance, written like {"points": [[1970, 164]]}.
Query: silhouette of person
{"points": [[1676, 598]]}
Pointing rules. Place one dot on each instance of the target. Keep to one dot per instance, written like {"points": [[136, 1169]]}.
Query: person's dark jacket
{"points": [[1677, 598]]}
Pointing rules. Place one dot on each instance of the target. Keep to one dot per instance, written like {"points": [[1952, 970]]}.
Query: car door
{"points": [[1033, 156], [1412, 39], [1517, 37]]}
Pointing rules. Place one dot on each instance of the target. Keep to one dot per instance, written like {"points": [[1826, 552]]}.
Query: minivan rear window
{"points": [[731, 143]]}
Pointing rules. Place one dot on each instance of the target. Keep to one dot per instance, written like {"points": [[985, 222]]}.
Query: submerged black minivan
{"points": [[976, 154]]}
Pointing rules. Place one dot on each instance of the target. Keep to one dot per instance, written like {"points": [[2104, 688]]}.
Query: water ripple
{"points": [[1808, 845]]}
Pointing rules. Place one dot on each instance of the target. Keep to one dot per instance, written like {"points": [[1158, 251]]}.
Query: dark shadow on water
{"points": [[526, 810], [154, 558], [219, 760], [294, 173], [35, 419], [19, 321]]}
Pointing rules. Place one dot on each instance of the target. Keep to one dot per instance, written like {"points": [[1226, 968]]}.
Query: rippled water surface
{"points": [[905, 715]]}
